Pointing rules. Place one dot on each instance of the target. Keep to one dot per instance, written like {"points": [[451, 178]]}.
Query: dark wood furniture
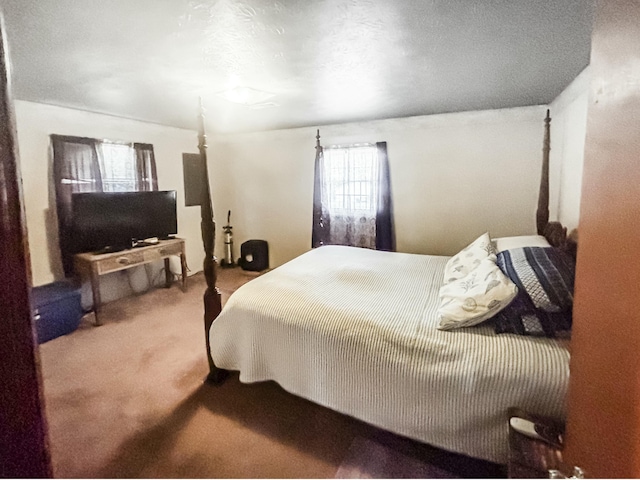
{"points": [[603, 423], [89, 266], [212, 298], [554, 232], [24, 445], [529, 457]]}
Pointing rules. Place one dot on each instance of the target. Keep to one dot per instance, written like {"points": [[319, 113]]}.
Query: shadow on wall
{"points": [[51, 223], [51, 229]]}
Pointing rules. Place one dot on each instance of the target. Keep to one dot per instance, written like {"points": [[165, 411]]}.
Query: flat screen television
{"points": [[117, 220]]}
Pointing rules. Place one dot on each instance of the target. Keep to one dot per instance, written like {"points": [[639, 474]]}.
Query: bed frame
{"points": [[554, 232], [212, 297]]}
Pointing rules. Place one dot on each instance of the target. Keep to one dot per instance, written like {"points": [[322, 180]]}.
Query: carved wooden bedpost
{"points": [[542, 214], [212, 298], [554, 231]]}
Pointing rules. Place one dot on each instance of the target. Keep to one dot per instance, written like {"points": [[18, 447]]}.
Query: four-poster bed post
{"points": [[212, 298], [542, 214], [554, 231]]}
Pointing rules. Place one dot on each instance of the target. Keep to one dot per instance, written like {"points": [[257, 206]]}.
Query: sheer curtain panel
{"points": [[147, 177]]}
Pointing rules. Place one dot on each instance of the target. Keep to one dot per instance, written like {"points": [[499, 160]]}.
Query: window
{"points": [[91, 165], [118, 167], [351, 178], [352, 197]]}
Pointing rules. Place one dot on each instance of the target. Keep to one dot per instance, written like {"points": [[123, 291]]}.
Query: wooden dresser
{"points": [[89, 266]]}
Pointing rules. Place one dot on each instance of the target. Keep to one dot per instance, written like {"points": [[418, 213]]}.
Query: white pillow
{"points": [[478, 296], [469, 258], [507, 243]]}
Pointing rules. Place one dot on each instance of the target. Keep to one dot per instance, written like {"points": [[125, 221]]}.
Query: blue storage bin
{"points": [[56, 310]]}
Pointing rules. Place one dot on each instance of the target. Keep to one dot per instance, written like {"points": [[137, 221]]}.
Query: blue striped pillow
{"points": [[545, 278]]}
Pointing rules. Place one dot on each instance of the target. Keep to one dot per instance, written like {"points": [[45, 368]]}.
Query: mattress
{"points": [[355, 330]]}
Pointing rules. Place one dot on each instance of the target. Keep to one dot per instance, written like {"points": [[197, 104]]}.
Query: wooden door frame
{"points": [[603, 424], [24, 448]]}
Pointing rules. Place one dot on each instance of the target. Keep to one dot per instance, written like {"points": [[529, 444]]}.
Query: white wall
{"points": [[454, 176], [35, 122], [568, 133]]}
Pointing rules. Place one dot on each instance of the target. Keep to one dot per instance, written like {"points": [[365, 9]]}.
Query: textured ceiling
{"points": [[325, 61]]}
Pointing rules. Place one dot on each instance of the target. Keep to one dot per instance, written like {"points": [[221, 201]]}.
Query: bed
{"points": [[356, 330]]}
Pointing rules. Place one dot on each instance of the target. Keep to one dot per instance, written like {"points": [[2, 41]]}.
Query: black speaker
{"points": [[193, 171], [254, 255]]}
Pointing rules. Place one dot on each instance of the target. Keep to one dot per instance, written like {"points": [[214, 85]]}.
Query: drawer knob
{"points": [[123, 261]]}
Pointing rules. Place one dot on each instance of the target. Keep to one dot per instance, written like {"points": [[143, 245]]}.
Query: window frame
{"points": [[344, 192]]}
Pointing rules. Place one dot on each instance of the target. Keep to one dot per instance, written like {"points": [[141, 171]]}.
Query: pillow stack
{"points": [[462, 263], [545, 279], [527, 287], [474, 289]]}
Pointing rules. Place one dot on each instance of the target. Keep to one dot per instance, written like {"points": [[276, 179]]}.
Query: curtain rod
{"points": [[351, 145]]}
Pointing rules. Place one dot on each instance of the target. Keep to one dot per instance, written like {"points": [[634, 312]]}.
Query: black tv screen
{"points": [[117, 220]]}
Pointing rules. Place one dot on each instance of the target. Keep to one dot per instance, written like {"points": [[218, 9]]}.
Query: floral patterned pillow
{"points": [[463, 262], [475, 298]]}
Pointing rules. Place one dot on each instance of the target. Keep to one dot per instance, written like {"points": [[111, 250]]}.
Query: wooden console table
{"points": [[90, 266]]}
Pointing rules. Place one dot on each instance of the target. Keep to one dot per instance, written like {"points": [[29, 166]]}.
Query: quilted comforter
{"points": [[355, 330]]}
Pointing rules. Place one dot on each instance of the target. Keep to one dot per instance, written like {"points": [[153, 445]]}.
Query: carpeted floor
{"points": [[127, 399], [369, 459]]}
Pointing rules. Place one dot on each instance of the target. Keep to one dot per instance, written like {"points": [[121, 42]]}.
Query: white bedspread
{"points": [[355, 330]]}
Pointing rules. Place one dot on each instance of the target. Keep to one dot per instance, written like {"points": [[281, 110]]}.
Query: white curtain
{"points": [[118, 167], [350, 193]]}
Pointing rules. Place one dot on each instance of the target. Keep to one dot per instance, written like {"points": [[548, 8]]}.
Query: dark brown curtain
{"points": [[385, 232], [320, 232], [76, 169], [146, 167]]}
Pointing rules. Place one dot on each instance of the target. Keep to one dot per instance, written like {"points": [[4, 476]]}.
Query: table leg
{"points": [[168, 276], [95, 290], [183, 267]]}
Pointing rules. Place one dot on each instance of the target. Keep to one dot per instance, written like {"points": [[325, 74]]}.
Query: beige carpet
{"points": [[367, 458], [127, 399]]}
